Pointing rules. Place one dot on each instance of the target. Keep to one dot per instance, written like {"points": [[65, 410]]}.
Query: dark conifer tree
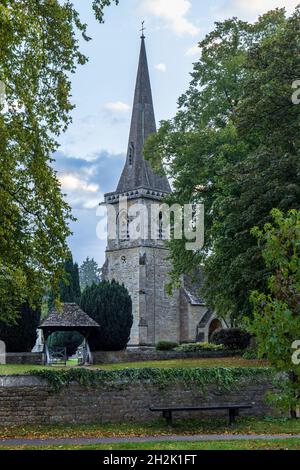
{"points": [[109, 304], [69, 293], [21, 337]]}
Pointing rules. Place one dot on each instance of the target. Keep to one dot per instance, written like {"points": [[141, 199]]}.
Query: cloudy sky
{"points": [[92, 152]]}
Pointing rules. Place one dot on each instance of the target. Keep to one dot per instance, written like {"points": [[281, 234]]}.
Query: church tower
{"points": [[140, 263]]}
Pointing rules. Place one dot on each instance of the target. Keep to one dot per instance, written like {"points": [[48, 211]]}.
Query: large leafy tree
{"points": [[110, 305], [268, 121], [276, 322], [228, 147], [38, 53], [89, 273]]}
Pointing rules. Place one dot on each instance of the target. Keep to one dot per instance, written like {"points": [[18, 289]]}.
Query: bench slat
{"points": [[203, 408]]}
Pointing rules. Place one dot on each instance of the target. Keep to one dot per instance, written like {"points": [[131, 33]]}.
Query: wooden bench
{"points": [[233, 410]]}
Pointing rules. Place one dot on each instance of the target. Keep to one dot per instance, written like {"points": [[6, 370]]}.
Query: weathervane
{"points": [[143, 29]]}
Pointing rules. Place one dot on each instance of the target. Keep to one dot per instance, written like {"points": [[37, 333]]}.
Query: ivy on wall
{"points": [[224, 378]]}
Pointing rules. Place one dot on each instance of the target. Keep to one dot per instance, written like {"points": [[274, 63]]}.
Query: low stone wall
{"points": [[30, 400], [150, 354], [25, 358]]}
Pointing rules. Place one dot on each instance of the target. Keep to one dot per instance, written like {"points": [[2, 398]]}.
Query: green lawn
{"points": [[282, 444], [181, 363], [191, 363], [244, 425], [292, 444]]}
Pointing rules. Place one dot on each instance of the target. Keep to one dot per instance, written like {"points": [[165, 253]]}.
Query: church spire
{"points": [[137, 172]]}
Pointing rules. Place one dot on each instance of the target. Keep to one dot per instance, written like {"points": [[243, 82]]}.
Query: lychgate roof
{"points": [[71, 316]]}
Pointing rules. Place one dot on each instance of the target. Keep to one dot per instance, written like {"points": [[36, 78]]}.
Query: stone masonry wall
{"points": [[30, 400], [151, 354], [25, 358], [144, 272], [123, 266]]}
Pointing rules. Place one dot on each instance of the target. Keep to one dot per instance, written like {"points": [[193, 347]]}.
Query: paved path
{"points": [[116, 440]]}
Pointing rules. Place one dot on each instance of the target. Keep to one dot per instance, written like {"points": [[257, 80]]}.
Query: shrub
{"points": [[250, 354], [276, 315], [232, 338], [22, 336], [109, 304], [166, 345], [195, 347]]}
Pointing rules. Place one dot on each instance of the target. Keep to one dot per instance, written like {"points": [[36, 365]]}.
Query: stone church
{"points": [[141, 264]]}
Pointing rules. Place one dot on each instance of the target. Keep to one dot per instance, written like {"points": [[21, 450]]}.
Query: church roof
{"points": [[137, 172], [192, 289], [71, 316]]}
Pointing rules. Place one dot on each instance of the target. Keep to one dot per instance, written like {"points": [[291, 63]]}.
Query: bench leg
{"points": [[232, 415], [168, 417]]}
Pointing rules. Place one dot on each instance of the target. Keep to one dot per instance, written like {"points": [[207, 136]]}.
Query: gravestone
{"points": [[39, 345], [2, 352]]}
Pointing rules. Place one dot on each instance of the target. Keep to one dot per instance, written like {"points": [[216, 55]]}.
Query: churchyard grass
{"points": [[244, 425], [267, 444], [14, 369], [192, 363]]}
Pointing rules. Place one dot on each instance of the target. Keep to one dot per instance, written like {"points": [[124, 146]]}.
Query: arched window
{"points": [[160, 227], [123, 226]]}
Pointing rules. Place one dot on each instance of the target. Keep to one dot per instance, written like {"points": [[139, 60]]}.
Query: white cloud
{"points": [[71, 182], [82, 139], [80, 193], [173, 13], [117, 106], [251, 10], [161, 67], [193, 51], [88, 135]]}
